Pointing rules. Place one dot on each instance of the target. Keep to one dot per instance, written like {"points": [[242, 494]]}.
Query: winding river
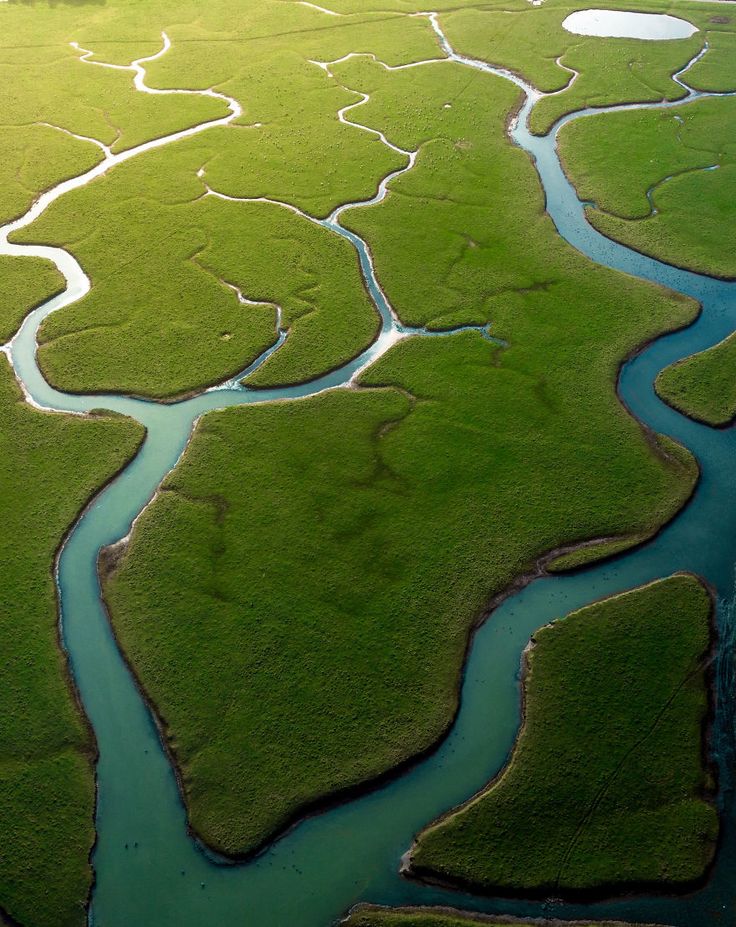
{"points": [[149, 872]]}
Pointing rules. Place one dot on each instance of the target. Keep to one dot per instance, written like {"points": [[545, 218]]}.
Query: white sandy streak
{"points": [[322, 9]]}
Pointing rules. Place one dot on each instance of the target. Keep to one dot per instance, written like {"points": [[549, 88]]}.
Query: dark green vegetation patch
{"points": [[607, 785], [299, 597]]}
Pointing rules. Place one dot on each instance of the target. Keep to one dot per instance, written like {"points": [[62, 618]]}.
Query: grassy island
{"points": [[50, 465], [608, 785], [374, 916], [703, 386]]}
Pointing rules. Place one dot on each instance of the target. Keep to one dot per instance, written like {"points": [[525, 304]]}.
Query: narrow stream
{"points": [[149, 872]]}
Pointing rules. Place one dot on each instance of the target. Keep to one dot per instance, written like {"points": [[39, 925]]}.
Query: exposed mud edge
{"points": [[604, 891], [717, 426], [680, 407], [169, 399], [473, 917]]}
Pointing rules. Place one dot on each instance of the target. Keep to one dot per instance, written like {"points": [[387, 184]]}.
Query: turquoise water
{"points": [[149, 872]]}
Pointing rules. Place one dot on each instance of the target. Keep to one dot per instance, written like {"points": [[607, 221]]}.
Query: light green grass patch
{"points": [[447, 239], [689, 229], [36, 157], [160, 253], [300, 152], [617, 71], [717, 69], [662, 182], [608, 785], [531, 42], [54, 86]]}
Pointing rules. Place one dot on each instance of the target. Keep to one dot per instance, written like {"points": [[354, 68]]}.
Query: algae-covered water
{"points": [[149, 871]]}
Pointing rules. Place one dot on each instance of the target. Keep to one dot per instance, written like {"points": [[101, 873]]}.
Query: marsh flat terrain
{"points": [[368, 524]]}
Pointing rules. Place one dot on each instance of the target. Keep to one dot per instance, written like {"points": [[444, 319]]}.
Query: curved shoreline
{"points": [[348, 793], [69, 677]]}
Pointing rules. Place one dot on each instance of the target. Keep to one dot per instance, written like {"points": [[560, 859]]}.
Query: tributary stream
{"points": [[149, 871]]}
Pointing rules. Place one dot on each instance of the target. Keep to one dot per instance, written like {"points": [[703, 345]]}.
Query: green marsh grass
{"points": [[608, 786], [370, 916], [25, 284], [662, 182]]}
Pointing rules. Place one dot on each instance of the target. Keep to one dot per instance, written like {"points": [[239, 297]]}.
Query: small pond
{"points": [[622, 25]]}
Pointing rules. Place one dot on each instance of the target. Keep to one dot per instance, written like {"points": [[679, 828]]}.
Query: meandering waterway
{"points": [[149, 872]]}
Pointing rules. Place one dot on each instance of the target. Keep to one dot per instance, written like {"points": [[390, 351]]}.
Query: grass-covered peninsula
{"points": [[703, 386], [374, 916], [164, 317], [608, 785], [50, 466]]}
